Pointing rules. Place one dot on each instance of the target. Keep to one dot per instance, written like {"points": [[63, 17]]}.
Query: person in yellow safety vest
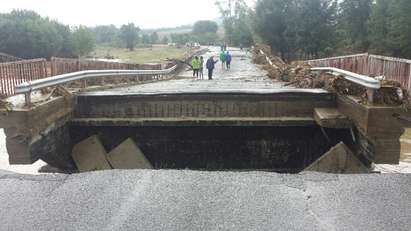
{"points": [[196, 66]]}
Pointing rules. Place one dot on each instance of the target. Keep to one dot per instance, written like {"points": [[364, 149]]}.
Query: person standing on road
{"points": [[228, 59], [201, 67], [210, 67], [196, 66], [222, 59]]}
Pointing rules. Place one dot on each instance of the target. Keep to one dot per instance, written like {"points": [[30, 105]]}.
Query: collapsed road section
{"points": [[242, 120]]}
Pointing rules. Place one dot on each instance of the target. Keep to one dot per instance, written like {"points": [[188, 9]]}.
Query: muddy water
{"points": [[406, 147]]}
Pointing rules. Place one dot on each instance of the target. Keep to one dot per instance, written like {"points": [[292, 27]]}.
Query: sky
{"points": [[144, 13]]}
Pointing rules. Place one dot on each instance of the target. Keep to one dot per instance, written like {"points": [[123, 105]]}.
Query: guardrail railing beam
{"points": [[28, 87], [371, 84]]}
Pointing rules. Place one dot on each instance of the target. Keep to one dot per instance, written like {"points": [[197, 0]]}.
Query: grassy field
{"points": [[155, 54]]}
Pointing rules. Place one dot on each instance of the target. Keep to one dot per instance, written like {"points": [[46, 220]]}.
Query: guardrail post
{"points": [[27, 98], [370, 95]]}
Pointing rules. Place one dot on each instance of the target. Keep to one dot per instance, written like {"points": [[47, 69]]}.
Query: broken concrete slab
{"points": [[340, 159], [90, 155], [331, 118], [128, 156]]}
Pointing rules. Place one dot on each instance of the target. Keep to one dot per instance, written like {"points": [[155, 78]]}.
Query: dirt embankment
{"points": [[299, 74]]}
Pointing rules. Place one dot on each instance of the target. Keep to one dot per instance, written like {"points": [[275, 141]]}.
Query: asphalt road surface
{"points": [[187, 200]]}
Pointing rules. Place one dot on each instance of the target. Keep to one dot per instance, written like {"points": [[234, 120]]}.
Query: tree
{"points": [[154, 38], [106, 33], [390, 28], [315, 22], [236, 21], [271, 24], [205, 26], [205, 32], [146, 39], [129, 35], [399, 33], [379, 26], [26, 34], [83, 41], [164, 40], [354, 15], [181, 38], [297, 27]]}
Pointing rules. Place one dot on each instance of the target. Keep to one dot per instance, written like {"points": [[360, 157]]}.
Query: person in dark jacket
{"points": [[210, 67], [228, 59]]}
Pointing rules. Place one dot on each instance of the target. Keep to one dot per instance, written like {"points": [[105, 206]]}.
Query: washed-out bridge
{"points": [[241, 120]]}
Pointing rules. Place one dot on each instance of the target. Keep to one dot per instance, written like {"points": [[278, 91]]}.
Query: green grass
{"points": [[156, 54]]}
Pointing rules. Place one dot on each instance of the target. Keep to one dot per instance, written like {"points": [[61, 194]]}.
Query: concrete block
{"points": [[339, 159], [331, 118], [128, 156], [90, 155]]}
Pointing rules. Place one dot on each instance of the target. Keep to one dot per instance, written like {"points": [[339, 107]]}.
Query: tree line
{"points": [[128, 36], [298, 29], [295, 29], [26, 34]]}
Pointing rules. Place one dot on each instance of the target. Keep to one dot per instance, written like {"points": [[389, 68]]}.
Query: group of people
{"points": [[198, 65], [225, 58]]}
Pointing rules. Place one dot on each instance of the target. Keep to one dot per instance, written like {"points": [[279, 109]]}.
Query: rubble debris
{"points": [[339, 160], [6, 105], [179, 61], [391, 93], [128, 156], [263, 47], [299, 75], [90, 155], [260, 59], [8, 58], [345, 87], [53, 92]]}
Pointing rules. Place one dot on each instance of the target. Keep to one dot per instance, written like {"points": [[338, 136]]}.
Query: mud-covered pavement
{"points": [[242, 75]]}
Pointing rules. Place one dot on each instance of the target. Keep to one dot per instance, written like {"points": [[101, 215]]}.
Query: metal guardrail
{"points": [[370, 83], [362, 80], [28, 87]]}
